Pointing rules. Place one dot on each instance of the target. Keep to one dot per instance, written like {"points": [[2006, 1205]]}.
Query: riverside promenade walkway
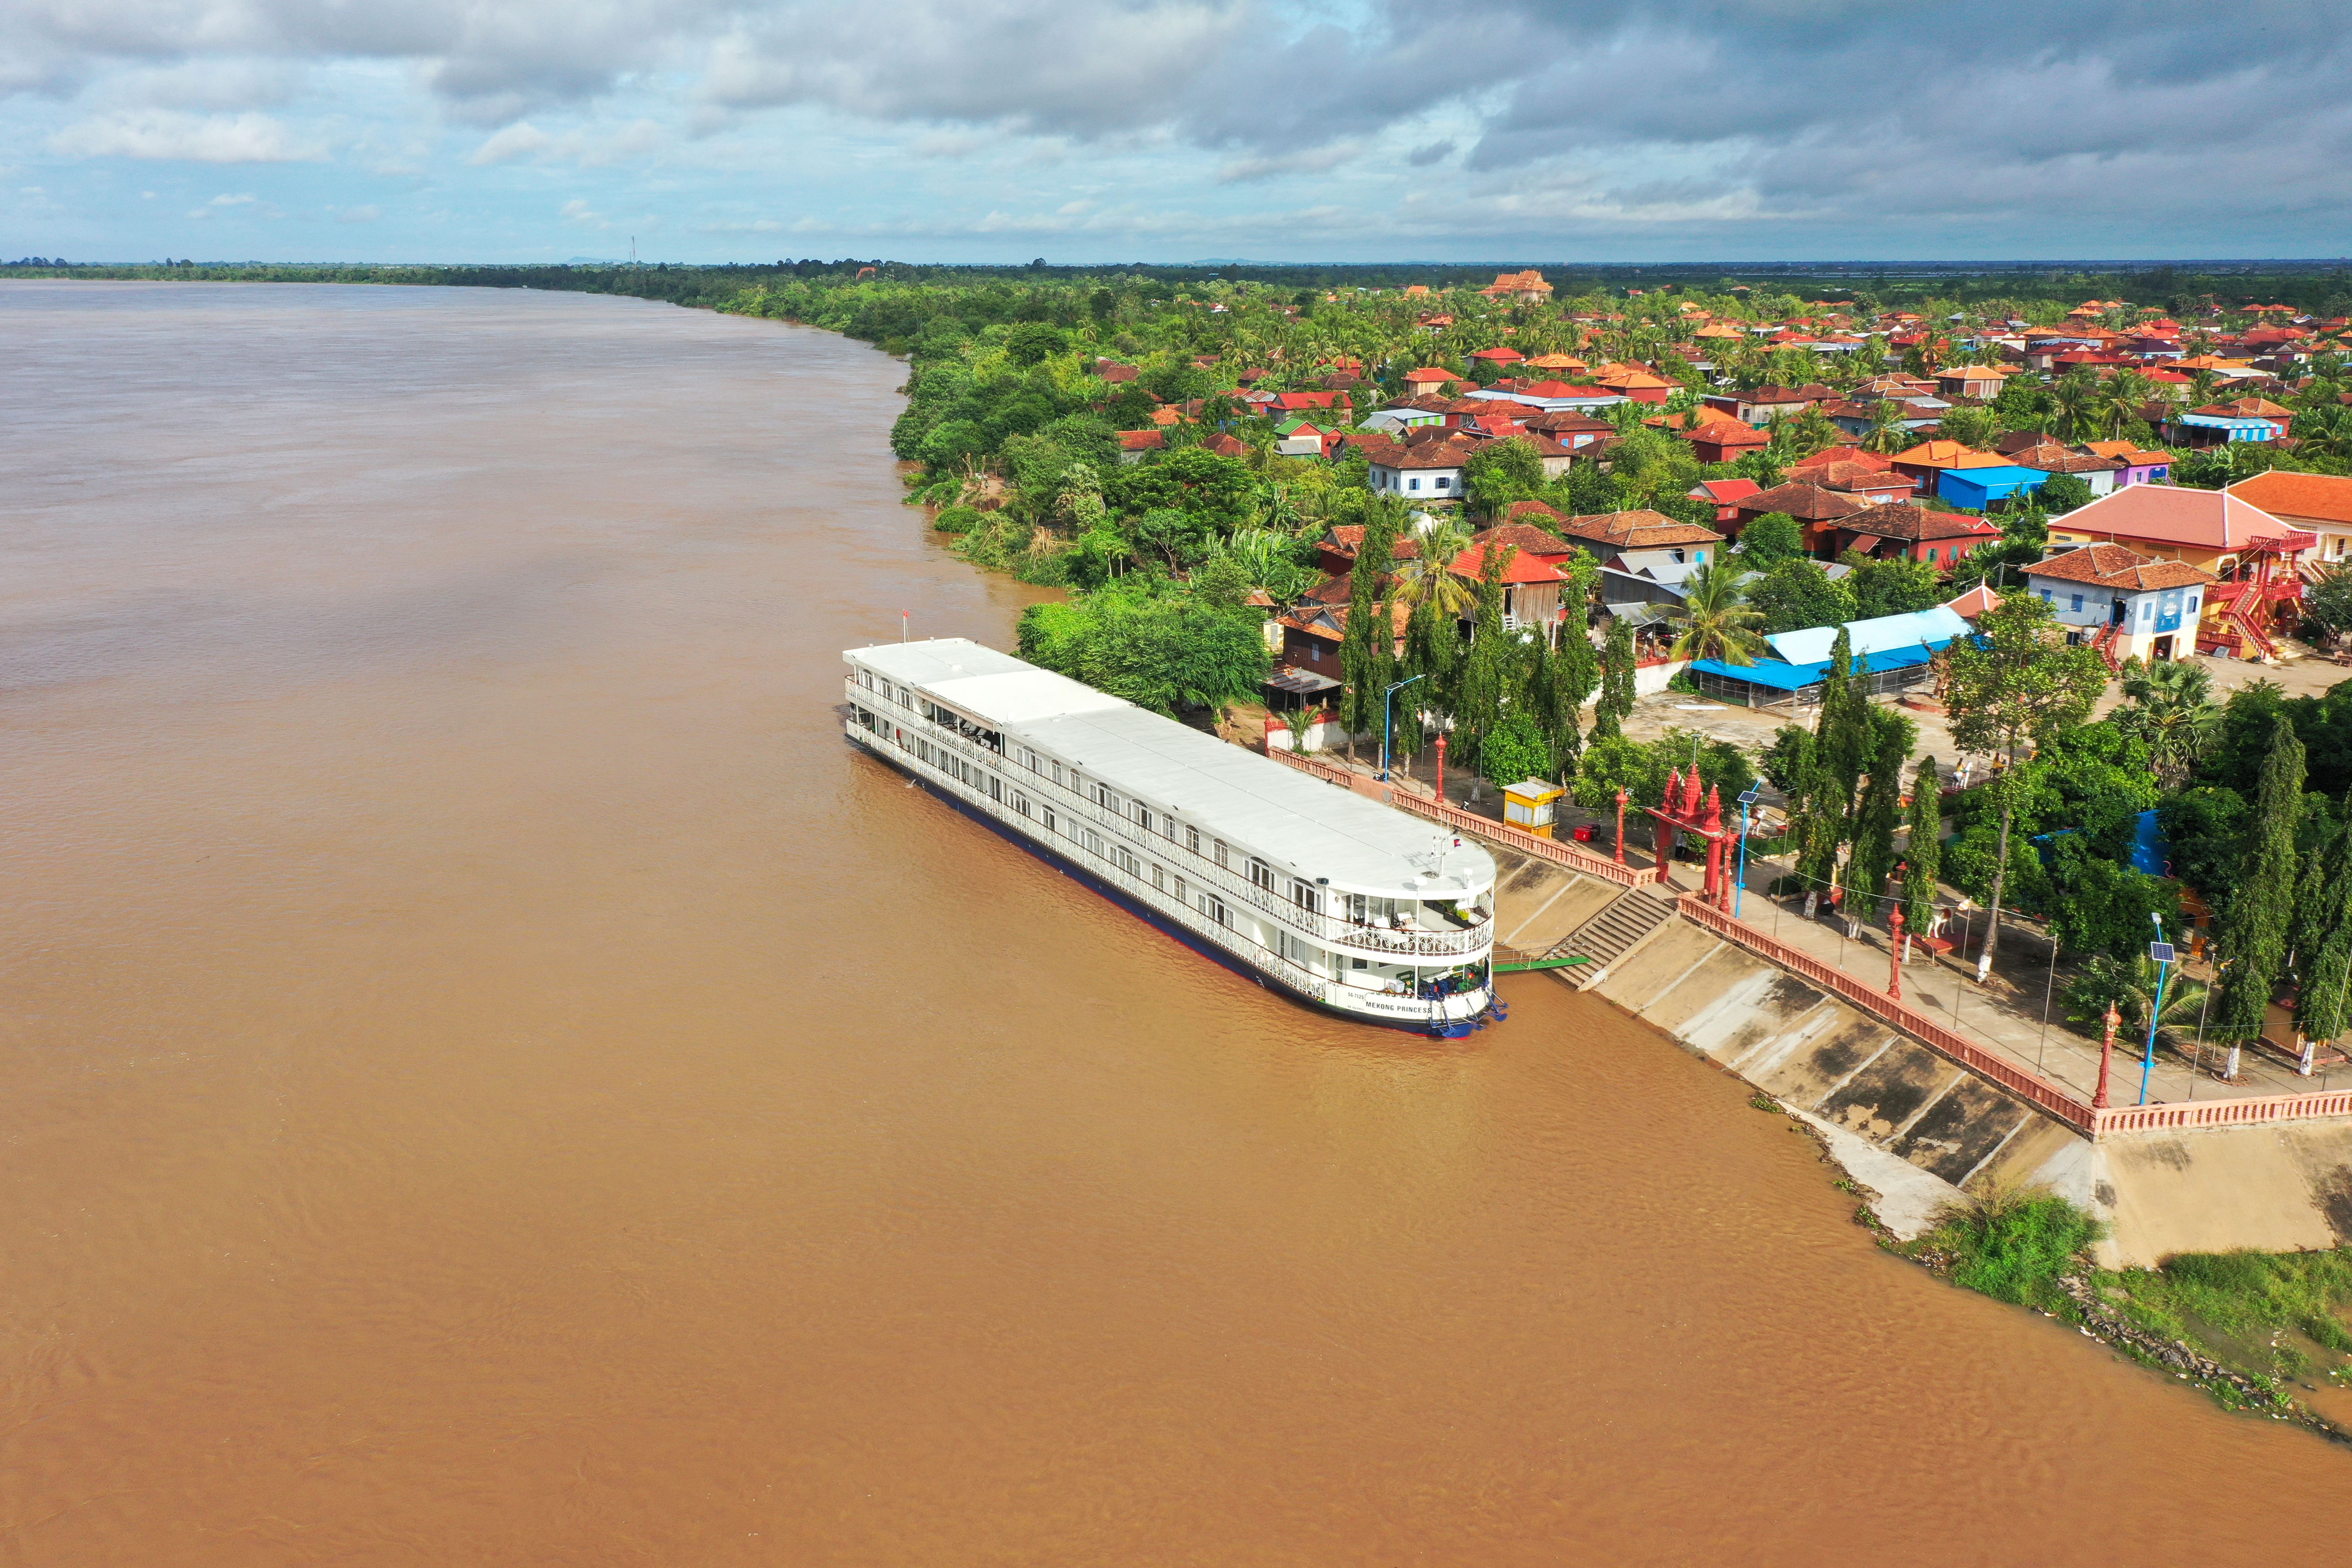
{"points": [[2004, 1018]]}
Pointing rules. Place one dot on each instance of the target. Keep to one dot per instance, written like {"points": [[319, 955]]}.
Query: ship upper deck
{"points": [[1295, 823]]}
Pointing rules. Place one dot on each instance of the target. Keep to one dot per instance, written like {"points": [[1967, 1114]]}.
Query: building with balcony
{"points": [[2127, 604]]}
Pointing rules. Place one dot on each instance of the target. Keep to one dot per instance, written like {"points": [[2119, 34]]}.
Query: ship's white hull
{"points": [[1121, 875]]}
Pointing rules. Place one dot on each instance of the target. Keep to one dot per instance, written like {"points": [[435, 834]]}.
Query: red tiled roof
{"points": [[1142, 440], [1637, 530], [2321, 497], [1806, 502], [2111, 566], [1917, 525], [2166, 514]]}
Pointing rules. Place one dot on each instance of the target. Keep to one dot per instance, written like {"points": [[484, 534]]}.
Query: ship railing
{"points": [[1337, 931]]}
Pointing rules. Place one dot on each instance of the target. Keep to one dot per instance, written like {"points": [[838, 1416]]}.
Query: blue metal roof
{"points": [[1883, 642]]}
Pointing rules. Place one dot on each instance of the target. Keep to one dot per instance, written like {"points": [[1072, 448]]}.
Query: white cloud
{"points": [[524, 140], [164, 133], [578, 211], [359, 215]]}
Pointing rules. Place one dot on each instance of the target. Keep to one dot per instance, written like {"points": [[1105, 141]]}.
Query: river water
{"points": [[491, 1077]]}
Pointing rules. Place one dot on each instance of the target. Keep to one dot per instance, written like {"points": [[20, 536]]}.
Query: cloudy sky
{"points": [[1174, 129]]}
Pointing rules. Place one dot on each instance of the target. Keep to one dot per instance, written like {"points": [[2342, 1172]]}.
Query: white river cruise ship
{"points": [[1347, 903]]}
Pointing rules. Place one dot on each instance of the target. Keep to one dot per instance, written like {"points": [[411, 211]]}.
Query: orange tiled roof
{"points": [[2114, 567]]}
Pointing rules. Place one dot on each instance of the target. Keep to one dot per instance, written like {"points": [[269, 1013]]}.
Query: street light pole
{"points": [[1388, 720], [1739, 889], [2160, 950]]}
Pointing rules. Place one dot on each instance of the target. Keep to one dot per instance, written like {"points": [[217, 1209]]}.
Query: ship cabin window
{"points": [[1159, 877], [1029, 759], [1177, 888], [1046, 816], [1057, 772], [1021, 803], [1372, 910], [1217, 853], [1091, 840], [1214, 908], [1168, 828], [1108, 801], [865, 678], [1262, 874], [1142, 815], [1192, 839], [1306, 896]]}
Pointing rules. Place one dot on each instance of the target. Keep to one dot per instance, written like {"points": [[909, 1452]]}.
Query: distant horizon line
{"points": [[1876, 267]]}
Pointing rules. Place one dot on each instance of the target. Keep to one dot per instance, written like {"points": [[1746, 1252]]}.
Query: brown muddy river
{"points": [[491, 1077]]}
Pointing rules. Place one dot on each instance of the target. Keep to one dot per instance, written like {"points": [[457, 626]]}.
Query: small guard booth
{"points": [[1532, 805]]}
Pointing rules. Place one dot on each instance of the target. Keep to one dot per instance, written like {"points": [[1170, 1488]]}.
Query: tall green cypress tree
{"points": [[1879, 814], [1486, 667], [1923, 852], [2321, 1000], [1576, 668], [2255, 921], [1366, 648], [1848, 732], [1616, 680]]}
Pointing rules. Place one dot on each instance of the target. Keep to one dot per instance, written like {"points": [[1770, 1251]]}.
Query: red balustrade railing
{"points": [[2242, 1112]]}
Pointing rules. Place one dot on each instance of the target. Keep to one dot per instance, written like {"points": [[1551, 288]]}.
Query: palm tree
{"points": [[1427, 574], [2075, 399], [2131, 987], [2170, 708], [2125, 392], [2324, 432], [1714, 620], [1887, 431]]}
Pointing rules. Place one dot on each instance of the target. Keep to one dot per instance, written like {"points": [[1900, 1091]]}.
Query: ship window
{"points": [[1308, 896], [995, 787], [1021, 803], [1262, 874], [1217, 853], [1178, 888], [1128, 863], [1192, 839], [1159, 877], [1103, 798], [1029, 759], [1092, 840], [1168, 829], [1214, 908], [1046, 816], [1057, 772]]}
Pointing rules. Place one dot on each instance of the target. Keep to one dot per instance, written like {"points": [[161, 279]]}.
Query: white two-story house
{"points": [[2127, 604]]}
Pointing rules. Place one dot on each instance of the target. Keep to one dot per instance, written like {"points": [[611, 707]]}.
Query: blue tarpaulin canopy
{"points": [[1801, 659]]}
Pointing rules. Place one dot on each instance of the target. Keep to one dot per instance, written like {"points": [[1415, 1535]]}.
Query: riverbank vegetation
{"points": [[2253, 1329]]}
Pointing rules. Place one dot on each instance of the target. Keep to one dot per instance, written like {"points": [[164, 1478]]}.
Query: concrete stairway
{"points": [[1621, 927]]}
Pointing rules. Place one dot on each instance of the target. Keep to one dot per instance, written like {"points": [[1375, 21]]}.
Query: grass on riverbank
{"points": [[2013, 1243], [2274, 1314], [2243, 1326]]}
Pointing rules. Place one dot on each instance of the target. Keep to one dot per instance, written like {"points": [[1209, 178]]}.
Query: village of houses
{"points": [[2147, 569]]}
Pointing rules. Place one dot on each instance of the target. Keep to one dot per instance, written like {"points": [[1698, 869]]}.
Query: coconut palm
{"points": [[2075, 399], [2131, 987], [2125, 392], [2170, 707], [1887, 431], [1714, 620], [1426, 576]]}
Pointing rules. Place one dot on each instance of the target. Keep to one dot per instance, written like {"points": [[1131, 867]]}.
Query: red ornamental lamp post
{"points": [[1895, 956], [1621, 827], [1441, 769], [2106, 1058]]}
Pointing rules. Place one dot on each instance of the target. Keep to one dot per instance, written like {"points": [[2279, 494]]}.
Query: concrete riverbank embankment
{"points": [[1916, 1126]]}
